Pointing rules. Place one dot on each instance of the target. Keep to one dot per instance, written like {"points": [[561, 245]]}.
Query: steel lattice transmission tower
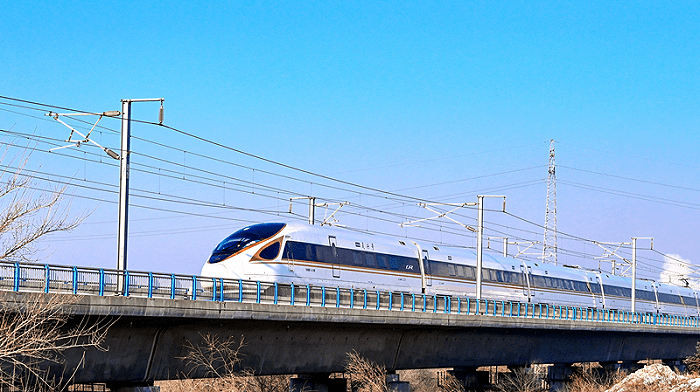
{"points": [[549, 250]]}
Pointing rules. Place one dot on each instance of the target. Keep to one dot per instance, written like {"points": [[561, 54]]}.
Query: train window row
{"points": [[557, 283], [331, 254]]}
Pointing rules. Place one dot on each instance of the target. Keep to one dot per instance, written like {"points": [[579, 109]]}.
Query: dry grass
{"points": [[593, 380], [246, 384]]}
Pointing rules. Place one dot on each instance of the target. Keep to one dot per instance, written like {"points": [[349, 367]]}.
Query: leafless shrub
{"points": [[35, 331], [450, 383], [365, 376], [693, 361], [522, 379]]}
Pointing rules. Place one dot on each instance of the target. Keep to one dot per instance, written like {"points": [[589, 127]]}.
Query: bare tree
{"points": [[28, 213], [35, 330]]}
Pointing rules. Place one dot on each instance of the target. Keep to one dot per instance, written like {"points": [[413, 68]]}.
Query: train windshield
{"points": [[243, 238]]}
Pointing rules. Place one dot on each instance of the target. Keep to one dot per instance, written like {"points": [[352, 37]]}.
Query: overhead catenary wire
{"points": [[393, 195]]}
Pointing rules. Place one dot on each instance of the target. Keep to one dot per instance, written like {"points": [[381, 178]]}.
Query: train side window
{"points": [[459, 271], [271, 252], [393, 262], [323, 253], [470, 272], [370, 259], [357, 258], [382, 261], [538, 281], [310, 252], [451, 269]]}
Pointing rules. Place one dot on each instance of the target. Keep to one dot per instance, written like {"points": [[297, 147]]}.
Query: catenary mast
{"points": [[549, 249]]}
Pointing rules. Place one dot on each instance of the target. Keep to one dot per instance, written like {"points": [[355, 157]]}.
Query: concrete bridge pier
{"points": [[623, 366], [395, 385], [317, 382], [675, 364], [471, 378], [557, 376]]}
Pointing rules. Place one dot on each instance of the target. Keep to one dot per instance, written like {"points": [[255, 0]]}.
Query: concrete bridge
{"points": [[310, 330]]}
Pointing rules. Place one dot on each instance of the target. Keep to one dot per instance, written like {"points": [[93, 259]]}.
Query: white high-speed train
{"points": [[325, 256]]}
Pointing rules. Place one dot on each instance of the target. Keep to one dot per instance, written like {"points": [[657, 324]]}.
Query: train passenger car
{"points": [[325, 256]]}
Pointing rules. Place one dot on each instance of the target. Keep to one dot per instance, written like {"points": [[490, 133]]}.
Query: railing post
{"points": [[364, 304], [213, 289], [469, 306], [257, 289], [15, 283], [391, 300], [126, 283], [323, 296], [240, 290], [352, 298], [46, 278], [275, 299], [377, 299], [102, 282], [194, 288], [150, 285], [337, 297], [424, 302], [291, 300], [172, 286], [435, 303], [402, 301], [413, 306], [75, 280], [308, 295]]}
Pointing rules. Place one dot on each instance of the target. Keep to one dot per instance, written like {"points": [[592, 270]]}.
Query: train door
{"points": [[656, 296], [426, 264], [290, 260], [526, 271], [601, 296], [334, 256]]}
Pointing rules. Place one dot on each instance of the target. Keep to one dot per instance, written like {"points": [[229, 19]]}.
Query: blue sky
{"points": [[389, 95]]}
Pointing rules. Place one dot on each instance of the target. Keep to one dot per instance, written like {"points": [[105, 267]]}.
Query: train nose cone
{"points": [[214, 271]]}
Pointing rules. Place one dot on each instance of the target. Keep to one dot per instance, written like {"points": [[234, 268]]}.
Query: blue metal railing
{"points": [[26, 277]]}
